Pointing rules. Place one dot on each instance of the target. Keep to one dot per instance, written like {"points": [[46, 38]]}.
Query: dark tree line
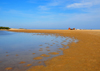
{"points": [[4, 28]]}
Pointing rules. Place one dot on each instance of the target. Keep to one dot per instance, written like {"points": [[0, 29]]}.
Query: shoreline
{"points": [[81, 56], [47, 30]]}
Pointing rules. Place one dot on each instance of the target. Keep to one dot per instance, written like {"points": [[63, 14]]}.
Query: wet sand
{"points": [[28, 65], [9, 68], [81, 56], [53, 53], [22, 62], [33, 53], [44, 55], [38, 58]]}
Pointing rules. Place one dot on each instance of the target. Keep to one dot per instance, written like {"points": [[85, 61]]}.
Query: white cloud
{"points": [[43, 8], [84, 4], [79, 5], [94, 2]]}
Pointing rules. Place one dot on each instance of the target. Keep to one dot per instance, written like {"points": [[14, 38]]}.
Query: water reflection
{"points": [[5, 33], [22, 50]]}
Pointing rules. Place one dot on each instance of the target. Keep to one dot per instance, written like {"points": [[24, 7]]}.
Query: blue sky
{"points": [[50, 14]]}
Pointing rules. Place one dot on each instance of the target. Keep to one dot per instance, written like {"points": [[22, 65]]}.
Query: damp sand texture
{"points": [[81, 56]]}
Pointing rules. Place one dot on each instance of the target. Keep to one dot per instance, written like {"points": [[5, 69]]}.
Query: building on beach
{"points": [[71, 29]]}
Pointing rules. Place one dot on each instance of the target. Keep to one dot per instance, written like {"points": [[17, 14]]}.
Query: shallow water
{"points": [[17, 47]]}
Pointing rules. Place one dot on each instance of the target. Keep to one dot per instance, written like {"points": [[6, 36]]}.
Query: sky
{"points": [[50, 14]]}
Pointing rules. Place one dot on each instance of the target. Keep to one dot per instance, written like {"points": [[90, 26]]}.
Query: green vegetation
{"points": [[4, 28]]}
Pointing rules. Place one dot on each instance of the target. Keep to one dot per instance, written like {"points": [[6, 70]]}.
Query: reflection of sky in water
{"points": [[5, 33], [24, 44]]}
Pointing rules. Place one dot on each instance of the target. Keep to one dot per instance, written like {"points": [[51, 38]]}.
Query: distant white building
{"points": [[77, 29]]}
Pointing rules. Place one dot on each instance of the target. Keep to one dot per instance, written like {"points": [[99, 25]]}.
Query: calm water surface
{"points": [[17, 47]]}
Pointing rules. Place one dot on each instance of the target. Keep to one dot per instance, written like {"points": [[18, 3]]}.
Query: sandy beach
{"points": [[50, 35], [81, 56]]}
